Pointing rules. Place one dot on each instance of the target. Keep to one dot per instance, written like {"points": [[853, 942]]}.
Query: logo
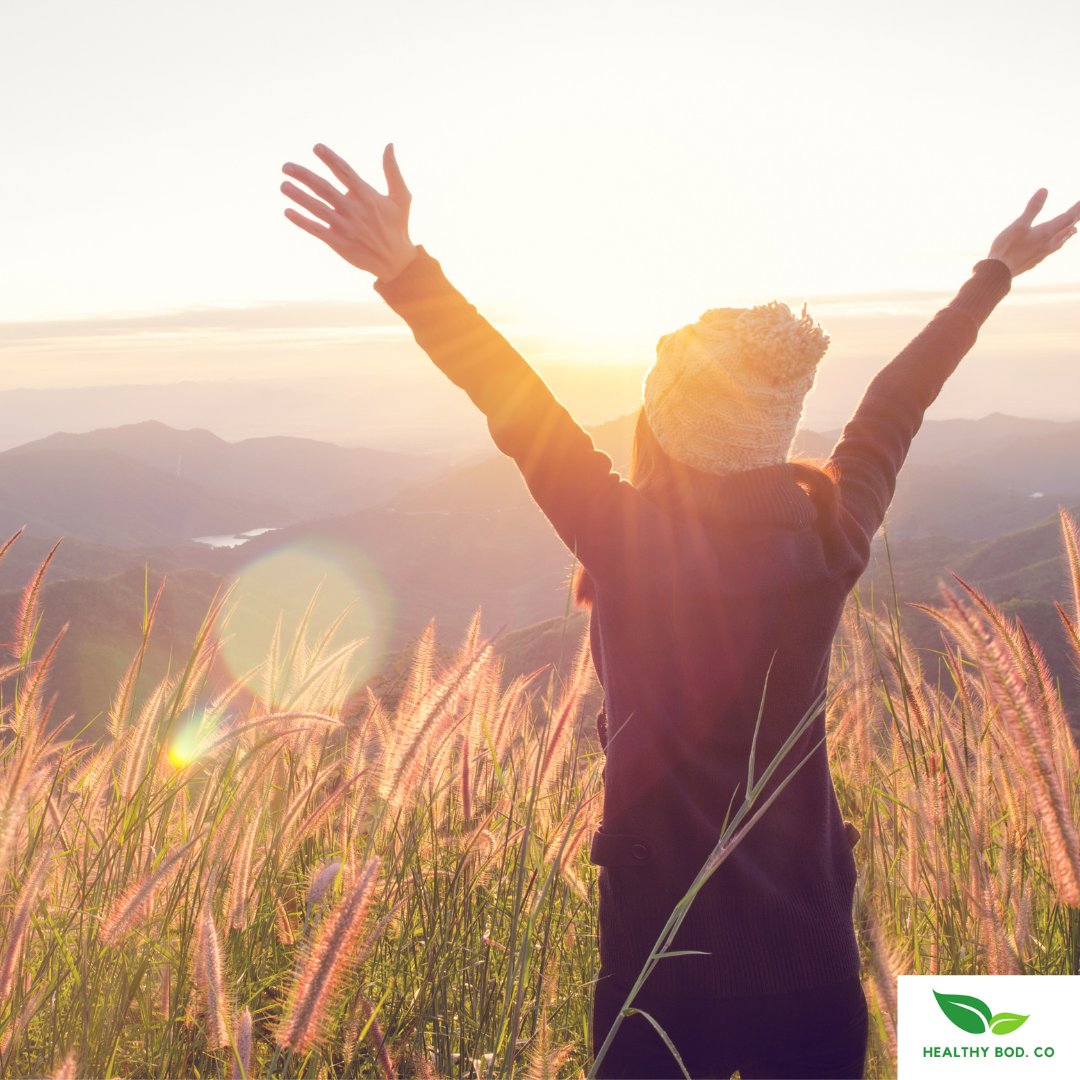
{"points": [[978, 1027], [974, 1016]]}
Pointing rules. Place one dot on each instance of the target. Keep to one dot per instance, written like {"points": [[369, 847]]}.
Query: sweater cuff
{"points": [[417, 279], [983, 291]]}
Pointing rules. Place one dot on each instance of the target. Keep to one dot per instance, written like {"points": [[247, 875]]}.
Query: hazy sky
{"points": [[605, 170]]}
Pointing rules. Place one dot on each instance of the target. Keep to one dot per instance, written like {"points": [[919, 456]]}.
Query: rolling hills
{"points": [[444, 543]]}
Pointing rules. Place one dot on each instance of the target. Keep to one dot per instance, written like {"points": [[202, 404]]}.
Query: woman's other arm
{"points": [[565, 473], [876, 439]]}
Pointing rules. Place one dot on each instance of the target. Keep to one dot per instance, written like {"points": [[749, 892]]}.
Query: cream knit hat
{"points": [[726, 393]]}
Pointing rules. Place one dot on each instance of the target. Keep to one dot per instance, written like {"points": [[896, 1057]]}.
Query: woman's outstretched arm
{"points": [[567, 476], [876, 439]]}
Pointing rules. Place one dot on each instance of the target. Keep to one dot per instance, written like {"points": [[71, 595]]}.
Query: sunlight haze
{"points": [[596, 172]]}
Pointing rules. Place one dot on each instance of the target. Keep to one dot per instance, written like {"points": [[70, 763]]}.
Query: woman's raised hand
{"points": [[364, 227], [1021, 245]]}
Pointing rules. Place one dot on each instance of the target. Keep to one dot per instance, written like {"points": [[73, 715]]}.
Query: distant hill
{"points": [[1023, 572], [969, 441], [82, 558], [305, 477], [112, 499], [104, 618], [1026, 563], [442, 546]]}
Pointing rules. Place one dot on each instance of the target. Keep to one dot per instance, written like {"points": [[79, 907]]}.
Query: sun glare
{"points": [[186, 743], [311, 582]]}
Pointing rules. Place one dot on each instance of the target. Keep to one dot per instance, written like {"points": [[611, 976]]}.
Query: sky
{"points": [[593, 174]]}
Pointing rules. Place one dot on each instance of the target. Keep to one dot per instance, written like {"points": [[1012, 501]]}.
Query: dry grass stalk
{"points": [[209, 971], [1028, 740], [27, 1010], [378, 1040], [884, 972], [327, 963], [68, 1068], [236, 903], [20, 921], [131, 905], [544, 1060], [26, 619], [242, 1057], [321, 881], [559, 738]]}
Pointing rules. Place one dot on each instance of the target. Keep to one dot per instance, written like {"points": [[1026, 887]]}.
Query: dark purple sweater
{"points": [[688, 614]]}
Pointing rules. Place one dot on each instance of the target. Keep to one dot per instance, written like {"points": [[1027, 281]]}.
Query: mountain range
{"points": [[412, 539]]}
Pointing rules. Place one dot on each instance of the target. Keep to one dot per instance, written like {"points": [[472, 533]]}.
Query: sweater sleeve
{"points": [[567, 476], [875, 441]]}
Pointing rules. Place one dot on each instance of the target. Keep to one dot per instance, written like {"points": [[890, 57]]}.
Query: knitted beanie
{"points": [[726, 393]]}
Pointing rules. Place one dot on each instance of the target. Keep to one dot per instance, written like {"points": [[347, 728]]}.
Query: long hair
{"points": [[675, 486]]}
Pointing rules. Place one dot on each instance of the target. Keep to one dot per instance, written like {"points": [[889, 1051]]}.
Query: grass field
{"points": [[307, 886]]}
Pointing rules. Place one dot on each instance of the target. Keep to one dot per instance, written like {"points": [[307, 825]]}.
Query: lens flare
{"points": [[186, 742], [282, 583]]}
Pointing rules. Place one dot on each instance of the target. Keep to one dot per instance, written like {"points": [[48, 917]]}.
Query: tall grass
{"points": [[297, 883], [964, 783], [300, 886]]}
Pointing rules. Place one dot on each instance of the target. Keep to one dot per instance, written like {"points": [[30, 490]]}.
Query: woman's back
{"points": [[692, 610]]}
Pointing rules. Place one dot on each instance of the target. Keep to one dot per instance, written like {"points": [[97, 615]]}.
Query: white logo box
{"points": [[1046, 1044]]}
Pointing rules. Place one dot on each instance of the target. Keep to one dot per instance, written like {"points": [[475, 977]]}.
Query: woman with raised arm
{"points": [[716, 578]]}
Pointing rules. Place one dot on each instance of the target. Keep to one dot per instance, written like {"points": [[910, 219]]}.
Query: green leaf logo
{"points": [[1003, 1023], [969, 1013]]}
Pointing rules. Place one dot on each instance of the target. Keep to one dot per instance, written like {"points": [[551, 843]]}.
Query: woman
{"points": [[718, 565]]}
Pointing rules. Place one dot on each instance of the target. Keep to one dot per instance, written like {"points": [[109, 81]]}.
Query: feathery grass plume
{"points": [[239, 892], [510, 719], [321, 880], [1028, 739], [884, 969], [27, 1011], [209, 972], [422, 1067], [1022, 933], [318, 815], [309, 718], [68, 1068], [487, 679], [430, 721], [6, 547], [139, 740], [283, 927], [327, 679], [273, 662], [559, 738], [13, 805], [378, 1040], [27, 720], [1049, 702], [420, 672], [242, 1058], [544, 1059], [854, 713], [123, 701], [203, 652], [1071, 538], [351, 1035], [131, 905], [57, 820], [569, 834], [999, 955], [956, 736], [20, 920], [327, 964], [471, 642], [27, 615]]}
